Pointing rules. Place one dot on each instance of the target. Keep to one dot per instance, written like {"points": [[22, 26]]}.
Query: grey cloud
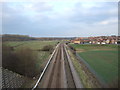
{"points": [[93, 14], [17, 22], [42, 7]]}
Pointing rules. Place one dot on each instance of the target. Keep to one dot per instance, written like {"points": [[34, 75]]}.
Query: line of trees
{"points": [[8, 37]]}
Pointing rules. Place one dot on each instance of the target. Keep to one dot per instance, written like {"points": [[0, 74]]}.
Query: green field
{"points": [[102, 58], [31, 44], [42, 56]]}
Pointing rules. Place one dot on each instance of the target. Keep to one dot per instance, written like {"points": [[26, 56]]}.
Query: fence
{"points": [[10, 79]]}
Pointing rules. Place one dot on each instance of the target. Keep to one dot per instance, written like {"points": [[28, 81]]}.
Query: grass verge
{"points": [[87, 79]]}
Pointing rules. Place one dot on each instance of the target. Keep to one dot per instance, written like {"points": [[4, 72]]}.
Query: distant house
{"points": [[118, 42], [72, 41], [97, 40], [93, 42], [103, 42], [85, 41], [113, 41], [107, 41], [81, 41], [76, 42]]}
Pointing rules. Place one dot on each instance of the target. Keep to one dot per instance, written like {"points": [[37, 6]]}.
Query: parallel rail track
{"points": [[59, 71]]}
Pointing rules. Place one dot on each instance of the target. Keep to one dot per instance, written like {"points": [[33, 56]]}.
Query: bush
{"points": [[47, 48], [27, 58], [72, 48], [7, 57], [22, 61]]}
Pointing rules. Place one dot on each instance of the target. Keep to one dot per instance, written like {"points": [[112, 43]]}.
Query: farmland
{"points": [[103, 59], [31, 44]]}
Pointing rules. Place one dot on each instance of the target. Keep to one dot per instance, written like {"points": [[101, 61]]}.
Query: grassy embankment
{"points": [[103, 59]]}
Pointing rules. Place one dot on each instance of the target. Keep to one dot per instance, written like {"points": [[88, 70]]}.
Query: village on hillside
{"points": [[97, 40]]}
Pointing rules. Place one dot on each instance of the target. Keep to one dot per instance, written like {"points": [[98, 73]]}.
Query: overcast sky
{"points": [[62, 18]]}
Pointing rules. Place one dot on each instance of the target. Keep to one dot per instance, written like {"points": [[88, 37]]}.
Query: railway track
{"points": [[59, 71]]}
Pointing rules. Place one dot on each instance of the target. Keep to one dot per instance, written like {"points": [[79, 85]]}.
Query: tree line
{"points": [[8, 37]]}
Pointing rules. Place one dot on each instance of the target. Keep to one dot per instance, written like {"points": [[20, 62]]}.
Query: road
{"points": [[60, 72]]}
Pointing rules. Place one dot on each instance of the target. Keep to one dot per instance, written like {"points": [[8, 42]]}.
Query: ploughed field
{"points": [[103, 59]]}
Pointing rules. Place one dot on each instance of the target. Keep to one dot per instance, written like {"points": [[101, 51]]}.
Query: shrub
{"points": [[7, 57], [27, 59], [72, 48], [47, 48], [22, 61]]}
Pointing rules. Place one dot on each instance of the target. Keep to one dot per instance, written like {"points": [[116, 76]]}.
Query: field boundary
{"points": [[80, 59]]}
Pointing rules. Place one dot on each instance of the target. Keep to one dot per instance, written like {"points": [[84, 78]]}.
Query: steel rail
{"points": [[63, 68], [45, 68]]}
